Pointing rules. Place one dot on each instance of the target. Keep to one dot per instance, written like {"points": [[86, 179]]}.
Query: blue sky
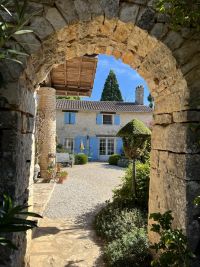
{"points": [[127, 77]]}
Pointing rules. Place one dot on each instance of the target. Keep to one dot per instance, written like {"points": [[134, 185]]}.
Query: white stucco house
{"points": [[91, 126]]}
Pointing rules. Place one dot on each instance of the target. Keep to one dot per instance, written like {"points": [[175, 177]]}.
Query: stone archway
{"points": [[134, 32]]}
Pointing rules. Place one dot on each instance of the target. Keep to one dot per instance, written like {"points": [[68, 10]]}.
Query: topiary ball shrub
{"points": [[113, 159], [132, 249], [112, 222], [81, 159]]}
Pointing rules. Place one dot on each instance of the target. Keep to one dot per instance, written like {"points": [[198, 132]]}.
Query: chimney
{"points": [[139, 95]]}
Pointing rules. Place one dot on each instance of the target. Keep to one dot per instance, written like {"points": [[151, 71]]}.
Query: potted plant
{"points": [[62, 176]]}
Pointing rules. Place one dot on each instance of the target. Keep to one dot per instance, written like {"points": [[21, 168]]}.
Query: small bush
{"points": [[81, 159], [112, 222], [124, 192], [130, 250], [113, 159]]}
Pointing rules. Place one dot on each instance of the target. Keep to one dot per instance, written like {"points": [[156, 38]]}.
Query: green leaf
{"points": [[23, 32], [11, 51]]}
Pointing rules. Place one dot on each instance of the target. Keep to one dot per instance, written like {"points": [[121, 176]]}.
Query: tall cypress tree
{"points": [[111, 91]]}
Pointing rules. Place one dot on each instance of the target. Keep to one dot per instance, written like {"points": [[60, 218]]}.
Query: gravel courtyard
{"points": [[65, 237], [86, 189]]}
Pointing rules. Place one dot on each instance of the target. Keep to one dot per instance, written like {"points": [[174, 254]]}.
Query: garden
{"points": [[122, 223]]}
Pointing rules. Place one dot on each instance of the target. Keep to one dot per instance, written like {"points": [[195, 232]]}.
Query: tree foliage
{"points": [[111, 91], [135, 136], [182, 13], [13, 18], [151, 101]]}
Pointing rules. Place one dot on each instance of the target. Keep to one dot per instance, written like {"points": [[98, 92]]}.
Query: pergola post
{"points": [[46, 129]]}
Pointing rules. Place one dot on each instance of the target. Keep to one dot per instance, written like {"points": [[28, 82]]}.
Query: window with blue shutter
{"points": [[99, 119], [66, 117], [117, 119], [70, 117]]}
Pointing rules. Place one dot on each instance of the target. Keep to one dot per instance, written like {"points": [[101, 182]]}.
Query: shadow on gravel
{"points": [[86, 220], [112, 167], [72, 264]]}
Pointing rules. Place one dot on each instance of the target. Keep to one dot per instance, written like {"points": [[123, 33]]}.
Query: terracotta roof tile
{"points": [[106, 106]]}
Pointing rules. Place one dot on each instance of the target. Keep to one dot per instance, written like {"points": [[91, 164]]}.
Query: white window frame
{"points": [[65, 144], [106, 146]]}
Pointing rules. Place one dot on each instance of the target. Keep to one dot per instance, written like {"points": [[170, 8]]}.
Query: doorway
{"points": [[106, 147]]}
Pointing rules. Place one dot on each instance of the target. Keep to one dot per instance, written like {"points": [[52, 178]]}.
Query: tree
{"points": [[135, 136], [151, 101], [111, 91], [182, 13]]}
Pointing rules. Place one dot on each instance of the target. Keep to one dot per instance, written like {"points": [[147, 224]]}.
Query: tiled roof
{"points": [[106, 106]]}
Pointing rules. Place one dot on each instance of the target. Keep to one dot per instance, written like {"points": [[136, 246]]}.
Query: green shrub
{"points": [[124, 192], [172, 249], [129, 250], [113, 159], [81, 159], [112, 222]]}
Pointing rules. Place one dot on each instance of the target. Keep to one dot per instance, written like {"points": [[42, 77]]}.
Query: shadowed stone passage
{"points": [[133, 31], [65, 236]]}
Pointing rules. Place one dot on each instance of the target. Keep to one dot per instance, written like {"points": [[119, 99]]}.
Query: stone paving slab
{"points": [[60, 243], [41, 196]]}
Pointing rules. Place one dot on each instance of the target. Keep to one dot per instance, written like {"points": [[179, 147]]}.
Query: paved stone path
{"points": [[65, 237]]}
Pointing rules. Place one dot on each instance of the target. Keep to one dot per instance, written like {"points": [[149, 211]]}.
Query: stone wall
{"points": [[86, 124], [133, 31]]}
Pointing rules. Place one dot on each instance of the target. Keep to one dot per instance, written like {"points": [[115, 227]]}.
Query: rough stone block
{"points": [[176, 137], [29, 42], [146, 19], [186, 51], [122, 32], [128, 12], [55, 18], [110, 7], [173, 40], [159, 30], [41, 27], [186, 116], [68, 10], [83, 9], [163, 119]]}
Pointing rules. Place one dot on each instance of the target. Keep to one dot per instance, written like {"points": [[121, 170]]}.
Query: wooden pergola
{"points": [[75, 77]]}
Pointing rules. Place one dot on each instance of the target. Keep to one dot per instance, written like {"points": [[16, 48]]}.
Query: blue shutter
{"points": [[72, 117], [78, 140], [66, 117], [117, 119], [119, 147], [94, 148], [99, 119], [77, 143]]}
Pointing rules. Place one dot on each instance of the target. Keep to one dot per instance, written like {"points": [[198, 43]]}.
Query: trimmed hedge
{"points": [[113, 159], [81, 159]]}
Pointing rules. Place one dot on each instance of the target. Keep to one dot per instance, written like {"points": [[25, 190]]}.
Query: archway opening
{"points": [[173, 86]]}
